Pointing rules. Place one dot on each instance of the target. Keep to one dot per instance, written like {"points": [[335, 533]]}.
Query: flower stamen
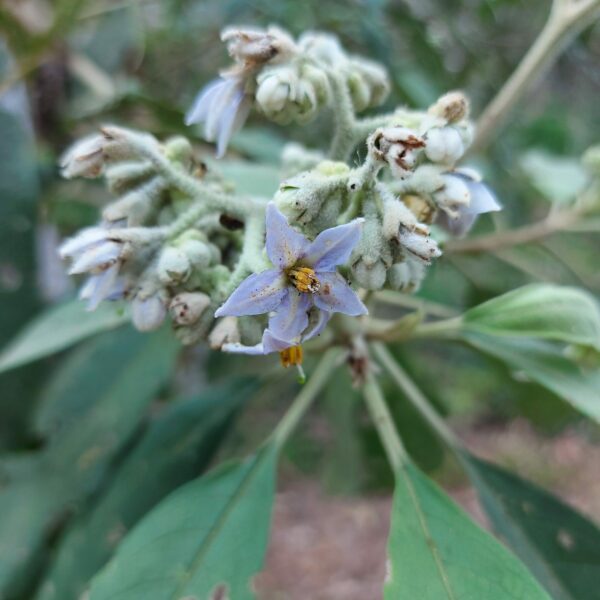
{"points": [[291, 356], [304, 279]]}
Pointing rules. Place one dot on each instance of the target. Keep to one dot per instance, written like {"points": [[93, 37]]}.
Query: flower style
{"points": [[302, 290], [92, 251], [462, 200], [224, 104]]}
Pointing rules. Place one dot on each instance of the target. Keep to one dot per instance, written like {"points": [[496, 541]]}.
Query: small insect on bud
{"points": [[452, 107], [187, 307]]}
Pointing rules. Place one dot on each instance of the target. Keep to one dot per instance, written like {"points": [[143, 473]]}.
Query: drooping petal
{"points": [[199, 109], [226, 94], [268, 344], [333, 246], [285, 246], [100, 255], [337, 296], [86, 238], [232, 119], [100, 287], [291, 317], [237, 348], [257, 294], [317, 321], [271, 343], [482, 199], [457, 226]]}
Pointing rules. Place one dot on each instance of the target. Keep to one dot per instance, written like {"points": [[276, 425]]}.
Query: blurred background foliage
{"points": [[69, 65]]}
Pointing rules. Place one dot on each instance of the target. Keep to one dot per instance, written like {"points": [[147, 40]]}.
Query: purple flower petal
{"points": [[199, 109], [272, 343], [226, 94], [85, 239], [100, 287], [232, 119], [291, 317], [315, 328], [333, 246], [257, 294], [457, 226], [482, 199], [102, 254], [268, 344], [237, 348], [337, 296], [284, 244]]}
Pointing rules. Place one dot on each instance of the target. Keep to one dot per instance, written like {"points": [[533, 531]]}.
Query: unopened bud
{"points": [[187, 307], [173, 266], [452, 107], [85, 158], [444, 145], [406, 276], [226, 331], [148, 313], [370, 276]]}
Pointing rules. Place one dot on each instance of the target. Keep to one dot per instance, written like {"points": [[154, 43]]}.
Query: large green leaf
{"points": [[57, 328], [208, 537], [558, 178], [436, 552], [559, 545], [546, 364], [539, 310], [175, 449], [74, 464]]}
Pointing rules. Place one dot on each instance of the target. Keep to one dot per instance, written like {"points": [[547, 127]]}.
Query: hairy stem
{"points": [[304, 399], [567, 18], [384, 424], [344, 137]]}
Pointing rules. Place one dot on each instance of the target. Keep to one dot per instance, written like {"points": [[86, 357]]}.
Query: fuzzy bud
{"points": [[369, 275], [85, 158], [419, 244], [255, 47], [368, 83], [452, 107], [148, 312], [226, 331], [187, 307], [406, 276], [173, 266], [398, 146], [444, 145]]}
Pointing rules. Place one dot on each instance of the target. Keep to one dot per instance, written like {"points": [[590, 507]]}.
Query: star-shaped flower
{"points": [[302, 290]]}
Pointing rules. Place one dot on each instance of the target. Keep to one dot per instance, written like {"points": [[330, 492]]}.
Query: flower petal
{"points": [[199, 109], [103, 254], [237, 348], [284, 244], [269, 344], [273, 344], [100, 287], [482, 199], [457, 226], [337, 296], [321, 318], [84, 239], [226, 94], [333, 246], [257, 294], [232, 119], [291, 317]]}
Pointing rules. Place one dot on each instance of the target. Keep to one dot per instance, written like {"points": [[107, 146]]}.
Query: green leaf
{"points": [[539, 310], [250, 178], [437, 552], [259, 144], [558, 178], [175, 449], [74, 465], [546, 364], [58, 328], [208, 536], [559, 545]]}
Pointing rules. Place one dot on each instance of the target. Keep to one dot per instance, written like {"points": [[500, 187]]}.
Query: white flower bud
{"points": [[452, 107], [398, 146], [368, 83], [173, 266], [406, 276], [370, 276], [187, 307], [85, 158], [444, 145], [199, 254], [419, 244], [148, 313], [226, 331]]}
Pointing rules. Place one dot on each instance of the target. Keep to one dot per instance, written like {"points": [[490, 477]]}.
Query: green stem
{"points": [[304, 399], [413, 302], [448, 328], [414, 394], [344, 137], [567, 18], [384, 424]]}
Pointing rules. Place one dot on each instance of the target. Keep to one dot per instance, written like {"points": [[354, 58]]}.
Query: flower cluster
{"points": [[259, 275]]}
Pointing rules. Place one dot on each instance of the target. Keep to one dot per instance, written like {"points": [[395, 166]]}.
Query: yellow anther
{"points": [[304, 279], [291, 356]]}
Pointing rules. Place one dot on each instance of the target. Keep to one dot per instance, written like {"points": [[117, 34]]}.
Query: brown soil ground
{"points": [[332, 548]]}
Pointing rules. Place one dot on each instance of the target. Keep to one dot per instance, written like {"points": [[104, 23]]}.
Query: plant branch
{"points": [[566, 19], [499, 240]]}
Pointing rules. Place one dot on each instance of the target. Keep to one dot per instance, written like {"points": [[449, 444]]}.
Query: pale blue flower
{"points": [[480, 200], [223, 106], [302, 290]]}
